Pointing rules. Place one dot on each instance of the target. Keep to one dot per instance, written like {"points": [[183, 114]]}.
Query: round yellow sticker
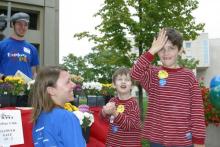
{"points": [[162, 74], [120, 108]]}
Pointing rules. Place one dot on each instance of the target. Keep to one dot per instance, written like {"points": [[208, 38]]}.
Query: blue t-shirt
{"points": [[17, 55], [58, 128]]}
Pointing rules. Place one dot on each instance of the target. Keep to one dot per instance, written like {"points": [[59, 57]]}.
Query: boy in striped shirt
{"points": [[123, 113], [175, 116]]}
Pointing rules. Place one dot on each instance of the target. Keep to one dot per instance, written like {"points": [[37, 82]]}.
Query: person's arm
{"points": [[34, 71], [34, 62], [1, 76], [197, 114], [71, 132], [141, 70]]}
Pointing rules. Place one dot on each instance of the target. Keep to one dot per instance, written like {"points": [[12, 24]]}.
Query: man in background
{"points": [[16, 54]]}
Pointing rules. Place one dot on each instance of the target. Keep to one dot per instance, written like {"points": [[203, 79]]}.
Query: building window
{"points": [[205, 47], [3, 21], [188, 44], [34, 16], [3, 10], [37, 45]]}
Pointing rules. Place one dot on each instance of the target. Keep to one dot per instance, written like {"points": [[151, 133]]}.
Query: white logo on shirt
{"points": [[27, 50]]}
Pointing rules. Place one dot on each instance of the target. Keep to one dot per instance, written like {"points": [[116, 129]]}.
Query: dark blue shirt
{"points": [[17, 55]]}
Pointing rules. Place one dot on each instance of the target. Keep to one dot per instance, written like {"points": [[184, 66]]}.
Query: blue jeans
{"points": [[160, 145]]}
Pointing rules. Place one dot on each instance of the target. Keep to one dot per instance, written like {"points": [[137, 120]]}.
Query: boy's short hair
{"points": [[120, 71], [175, 37]]}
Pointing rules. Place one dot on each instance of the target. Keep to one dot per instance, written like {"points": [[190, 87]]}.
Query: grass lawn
{"points": [[144, 142], [82, 101]]}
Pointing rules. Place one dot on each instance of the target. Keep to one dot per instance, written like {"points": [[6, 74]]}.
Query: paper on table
{"points": [[21, 74]]}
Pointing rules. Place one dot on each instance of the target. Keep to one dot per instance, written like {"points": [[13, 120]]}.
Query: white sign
{"points": [[11, 132], [21, 74]]}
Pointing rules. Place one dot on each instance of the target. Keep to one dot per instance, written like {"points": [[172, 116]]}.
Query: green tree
{"points": [[132, 24], [188, 63], [79, 66]]}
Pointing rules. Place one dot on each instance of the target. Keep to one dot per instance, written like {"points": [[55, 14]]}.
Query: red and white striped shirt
{"points": [[128, 125], [175, 115]]}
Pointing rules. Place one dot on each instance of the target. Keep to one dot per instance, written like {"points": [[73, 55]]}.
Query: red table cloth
{"points": [[98, 129]]}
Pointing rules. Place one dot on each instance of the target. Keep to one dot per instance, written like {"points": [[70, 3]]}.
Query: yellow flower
{"points": [[13, 85], [107, 89], [162, 74], [70, 107]]}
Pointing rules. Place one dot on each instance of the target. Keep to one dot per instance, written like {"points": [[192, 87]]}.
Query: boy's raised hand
{"points": [[159, 42]]}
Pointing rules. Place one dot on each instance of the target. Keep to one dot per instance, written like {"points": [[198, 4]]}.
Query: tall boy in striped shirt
{"points": [[123, 113], [175, 116]]}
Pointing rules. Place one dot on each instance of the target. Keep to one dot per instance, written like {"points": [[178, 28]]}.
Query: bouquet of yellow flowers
{"points": [[13, 85], [107, 90]]}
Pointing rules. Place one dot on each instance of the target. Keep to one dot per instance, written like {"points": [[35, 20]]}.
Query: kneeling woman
{"points": [[53, 125]]}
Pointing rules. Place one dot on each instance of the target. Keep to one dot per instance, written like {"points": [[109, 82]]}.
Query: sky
{"points": [[77, 16]]}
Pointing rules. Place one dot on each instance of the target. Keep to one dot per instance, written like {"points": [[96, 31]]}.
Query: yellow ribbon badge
{"points": [[120, 108], [162, 74]]}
